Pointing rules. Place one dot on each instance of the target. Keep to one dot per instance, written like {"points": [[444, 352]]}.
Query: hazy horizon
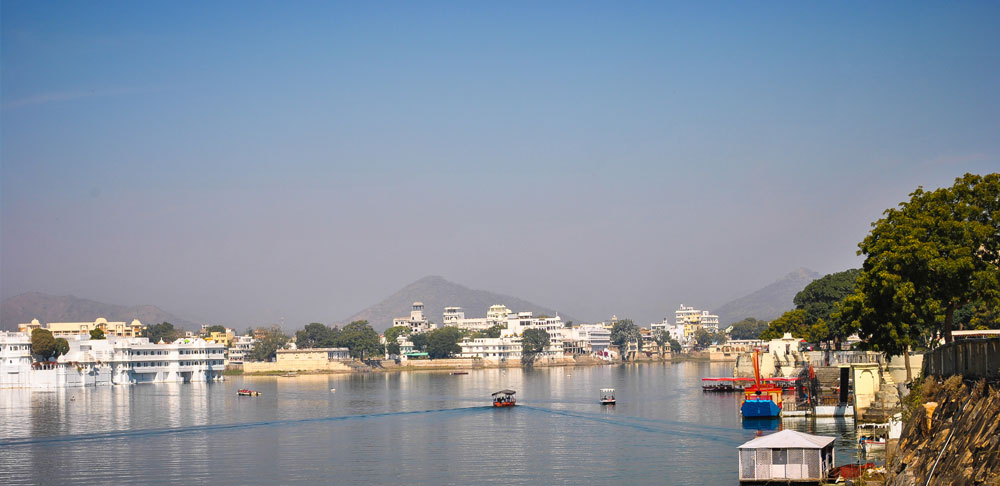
{"points": [[239, 163]]}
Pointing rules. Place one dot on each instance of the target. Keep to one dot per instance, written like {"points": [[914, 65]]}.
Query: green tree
{"points": [[719, 337], [317, 335], [393, 333], [793, 321], [623, 332], [266, 347], [748, 328], [419, 341], [662, 338], [43, 344], [97, 333], [820, 298], [443, 342], [164, 331], [533, 342], [495, 330], [392, 348], [702, 338], [925, 260], [62, 347], [675, 347], [361, 340], [210, 329]]}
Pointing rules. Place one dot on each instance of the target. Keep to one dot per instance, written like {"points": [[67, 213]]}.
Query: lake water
{"points": [[412, 428]]}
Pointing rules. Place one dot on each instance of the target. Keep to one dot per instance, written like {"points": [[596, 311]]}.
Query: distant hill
{"points": [[769, 302], [67, 308], [436, 293]]}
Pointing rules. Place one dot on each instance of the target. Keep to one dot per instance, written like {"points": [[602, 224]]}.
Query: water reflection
{"points": [[373, 429]]}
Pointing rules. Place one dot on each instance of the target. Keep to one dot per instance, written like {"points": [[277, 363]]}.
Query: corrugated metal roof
{"points": [[789, 439]]}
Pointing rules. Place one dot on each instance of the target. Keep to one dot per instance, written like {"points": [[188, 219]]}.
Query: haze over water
{"points": [[418, 428]]}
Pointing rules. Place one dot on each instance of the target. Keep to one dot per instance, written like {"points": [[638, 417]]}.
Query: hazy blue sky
{"points": [[239, 162]]}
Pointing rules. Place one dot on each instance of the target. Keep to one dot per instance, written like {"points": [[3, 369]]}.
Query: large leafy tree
{"points": [[164, 331], [393, 333], [929, 257], [924, 261], [443, 342], [62, 347], [662, 338], [43, 344], [267, 344], [819, 300], [748, 328], [317, 335], [97, 333], [623, 332], [495, 330], [533, 342], [360, 339]]}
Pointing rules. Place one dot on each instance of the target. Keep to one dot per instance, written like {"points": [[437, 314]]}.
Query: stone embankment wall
{"points": [[961, 444], [297, 365], [971, 358], [432, 364]]}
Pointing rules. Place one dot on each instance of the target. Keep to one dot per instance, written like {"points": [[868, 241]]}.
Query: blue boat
{"points": [[761, 399]]}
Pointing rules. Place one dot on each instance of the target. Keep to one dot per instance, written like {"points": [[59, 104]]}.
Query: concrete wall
{"points": [[296, 365], [971, 358]]}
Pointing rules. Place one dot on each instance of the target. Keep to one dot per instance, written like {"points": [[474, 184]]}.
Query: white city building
{"points": [[691, 318], [506, 349], [240, 349], [115, 360], [589, 338], [416, 322], [455, 316]]}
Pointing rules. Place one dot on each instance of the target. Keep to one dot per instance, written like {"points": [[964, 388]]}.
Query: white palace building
{"points": [[112, 361]]}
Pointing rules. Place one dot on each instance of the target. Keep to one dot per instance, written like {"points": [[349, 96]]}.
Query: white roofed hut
{"points": [[787, 457]]}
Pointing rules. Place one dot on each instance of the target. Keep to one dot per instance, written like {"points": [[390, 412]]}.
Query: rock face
{"points": [[963, 437]]}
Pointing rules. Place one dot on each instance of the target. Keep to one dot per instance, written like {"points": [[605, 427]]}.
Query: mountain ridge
{"points": [[68, 308], [768, 302]]}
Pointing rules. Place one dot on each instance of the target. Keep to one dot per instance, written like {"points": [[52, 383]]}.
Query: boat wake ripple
{"points": [[649, 425], [219, 427]]}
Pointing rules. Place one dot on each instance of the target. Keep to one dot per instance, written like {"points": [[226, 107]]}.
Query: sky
{"points": [[244, 163]]}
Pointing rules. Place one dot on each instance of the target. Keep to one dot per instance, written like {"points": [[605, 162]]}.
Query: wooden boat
{"points": [[761, 399], [607, 396], [243, 392], [459, 372], [504, 398]]}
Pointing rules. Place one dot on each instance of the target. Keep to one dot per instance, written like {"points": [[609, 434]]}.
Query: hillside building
{"points": [[67, 329], [416, 322]]}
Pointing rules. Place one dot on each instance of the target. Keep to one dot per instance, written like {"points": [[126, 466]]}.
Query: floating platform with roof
{"points": [[788, 457], [504, 398]]}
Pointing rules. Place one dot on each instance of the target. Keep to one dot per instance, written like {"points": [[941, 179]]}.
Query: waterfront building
{"points": [[692, 319], [787, 456], [416, 322], [115, 360], [224, 338], [307, 354], [15, 359], [240, 349], [506, 349], [66, 329], [587, 338], [455, 316]]}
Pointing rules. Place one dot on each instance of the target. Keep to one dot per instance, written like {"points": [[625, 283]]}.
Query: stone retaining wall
{"points": [[296, 365], [971, 358]]}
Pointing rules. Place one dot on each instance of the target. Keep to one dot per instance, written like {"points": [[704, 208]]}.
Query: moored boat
{"points": [[761, 399], [607, 396], [243, 392], [504, 398]]}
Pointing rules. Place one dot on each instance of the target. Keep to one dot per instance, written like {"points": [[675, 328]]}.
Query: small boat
{"points": [[872, 437], [607, 396], [504, 398], [243, 392], [459, 372], [760, 399]]}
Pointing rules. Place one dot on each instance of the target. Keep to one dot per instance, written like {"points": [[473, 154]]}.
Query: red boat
{"points": [[504, 398], [760, 399], [247, 393]]}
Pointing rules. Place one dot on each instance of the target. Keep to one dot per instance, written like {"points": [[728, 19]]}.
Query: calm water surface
{"points": [[414, 428]]}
